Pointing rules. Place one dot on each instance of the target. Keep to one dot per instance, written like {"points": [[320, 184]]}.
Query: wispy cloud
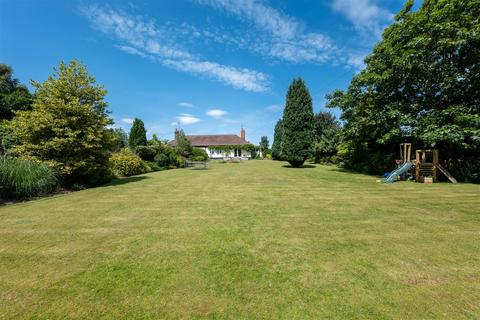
{"points": [[365, 15], [248, 80], [186, 119], [262, 15], [185, 104], [281, 36], [275, 107], [127, 120], [216, 113], [142, 37]]}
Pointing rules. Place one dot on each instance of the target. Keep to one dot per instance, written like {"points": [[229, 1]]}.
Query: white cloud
{"points": [[281, 37], [127, 120], [263, 16], [365, 15], [245, 79], [216, 113], [132, 50], [185, 104], [143, 38], [357, 61], [275, 107], [186, 119]]}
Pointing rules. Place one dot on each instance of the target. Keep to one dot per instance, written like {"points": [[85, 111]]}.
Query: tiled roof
{"points": [[213, 140]]}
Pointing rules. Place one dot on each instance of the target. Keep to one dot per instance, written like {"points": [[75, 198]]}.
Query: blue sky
{"points": [[207, 66]]}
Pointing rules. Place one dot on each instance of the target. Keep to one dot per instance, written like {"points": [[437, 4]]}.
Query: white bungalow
{"points": [[213, 143]]}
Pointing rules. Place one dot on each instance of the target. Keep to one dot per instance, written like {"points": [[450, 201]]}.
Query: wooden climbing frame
{"points": [[426, 164], [405, 152]]}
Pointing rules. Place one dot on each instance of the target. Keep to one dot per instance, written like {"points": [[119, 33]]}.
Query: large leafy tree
{"points": [[138, 134], [298, 126], [277, 141], [13, 95], [421, 84], [327, 136], [67, 127]]}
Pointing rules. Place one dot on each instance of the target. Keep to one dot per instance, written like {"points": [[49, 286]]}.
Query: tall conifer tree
{"points": [[298, 124], [138, 135]]}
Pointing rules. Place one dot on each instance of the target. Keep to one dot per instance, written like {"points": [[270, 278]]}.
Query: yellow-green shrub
{"points": [[127, 164]]}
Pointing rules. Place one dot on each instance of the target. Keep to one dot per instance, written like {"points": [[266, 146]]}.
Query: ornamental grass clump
{"points": [[22, 179]]}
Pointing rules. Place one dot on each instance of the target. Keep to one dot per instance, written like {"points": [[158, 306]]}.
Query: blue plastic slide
{"points": [[392, 177]]}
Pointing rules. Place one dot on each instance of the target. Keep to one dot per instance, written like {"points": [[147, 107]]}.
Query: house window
{"points": [[238, 152]]}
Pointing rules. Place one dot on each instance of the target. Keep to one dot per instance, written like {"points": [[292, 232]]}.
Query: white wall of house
{"points": [[220, 154]]}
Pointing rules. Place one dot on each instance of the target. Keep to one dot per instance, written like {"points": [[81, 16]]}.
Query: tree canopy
{"points": [[264, 143], [327, 136], [67, 126], [421, 84], [13, 95], [138, 134], [298, 126], [183, 147]]}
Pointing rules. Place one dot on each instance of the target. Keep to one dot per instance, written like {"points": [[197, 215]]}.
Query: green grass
{"points": [[244, 240]]}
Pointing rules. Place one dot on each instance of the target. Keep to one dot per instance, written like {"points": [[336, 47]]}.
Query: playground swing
{"points": [[426, 165]]}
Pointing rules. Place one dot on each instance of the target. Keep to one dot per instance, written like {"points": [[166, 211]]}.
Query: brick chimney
{"points": [[242, 134]]}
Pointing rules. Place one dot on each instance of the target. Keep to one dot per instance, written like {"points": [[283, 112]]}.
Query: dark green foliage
{"points": [[147, 153], [154, 166], [254, 153], [119, 139], [183, 147], [167, 157], [13, 95], [7, 140], [298, 126], [277, 141], [138, 135], [264, 143], [421, 85], [327, 137], [198, 155], [21, 179]]}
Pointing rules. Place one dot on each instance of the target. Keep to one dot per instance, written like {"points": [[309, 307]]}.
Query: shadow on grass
{"points": [[305, 166], [349, 171], [120, 181]]}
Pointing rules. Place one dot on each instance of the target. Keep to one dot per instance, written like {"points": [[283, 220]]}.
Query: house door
{"points": [[238, 152]]}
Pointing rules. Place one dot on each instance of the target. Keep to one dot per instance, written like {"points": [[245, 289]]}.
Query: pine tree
{"points": [[67, 126], [277, 141], [298, 124], [138, 135]]}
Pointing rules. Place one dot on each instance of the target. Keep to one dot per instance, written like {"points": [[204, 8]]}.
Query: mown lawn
{"points": [[247, 240]]}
